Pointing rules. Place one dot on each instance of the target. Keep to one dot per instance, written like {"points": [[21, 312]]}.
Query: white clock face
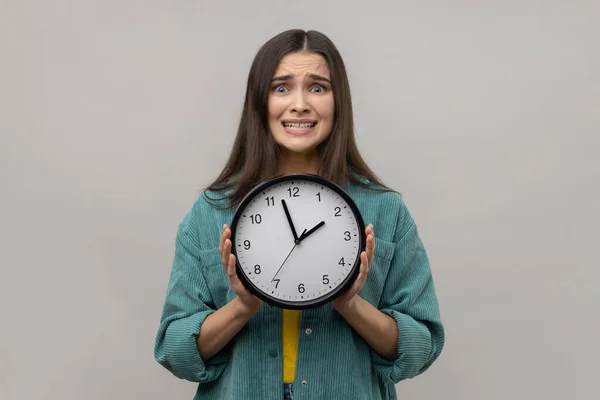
{"points": [[306, 263]]}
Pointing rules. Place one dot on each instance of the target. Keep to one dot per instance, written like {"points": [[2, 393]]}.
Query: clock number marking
{"points": [[338, 211], [319, 196], [257, 269], [295, 189], [256, 218], [301, 288], [325, 279], [342, 263], [277, 282], [246, 244], [270, 201], [347, 236]]}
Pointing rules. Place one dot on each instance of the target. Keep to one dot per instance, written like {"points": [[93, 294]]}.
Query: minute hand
{"points": [[306, 234]]}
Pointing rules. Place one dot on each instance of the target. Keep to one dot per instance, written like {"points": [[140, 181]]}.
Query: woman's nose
{"points": [[300, 104]]}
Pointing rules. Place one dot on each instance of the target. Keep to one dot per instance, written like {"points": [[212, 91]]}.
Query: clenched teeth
{"points": [[305, 125]]}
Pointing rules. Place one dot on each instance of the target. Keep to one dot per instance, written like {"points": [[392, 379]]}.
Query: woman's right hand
{"points": [[249, 302]]}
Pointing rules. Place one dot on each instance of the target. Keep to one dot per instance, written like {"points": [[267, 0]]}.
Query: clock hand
{"points": [[288, 256], [289, 218], [306, 234]]}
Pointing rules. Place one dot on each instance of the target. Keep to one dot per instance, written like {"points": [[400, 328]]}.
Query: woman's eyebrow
{"points": [[284, 78], [319, 78]]}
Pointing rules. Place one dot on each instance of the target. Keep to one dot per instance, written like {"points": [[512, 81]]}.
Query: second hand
{"points": [[288, 256]]}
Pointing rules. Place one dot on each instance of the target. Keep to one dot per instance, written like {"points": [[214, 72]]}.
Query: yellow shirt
{"points": [[290, 333]]}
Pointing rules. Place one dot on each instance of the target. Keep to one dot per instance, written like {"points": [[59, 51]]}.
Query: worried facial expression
{"points": [[301, 104]]}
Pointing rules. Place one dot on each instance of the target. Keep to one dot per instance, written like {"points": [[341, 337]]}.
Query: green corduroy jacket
{"points": [[333, 362]]}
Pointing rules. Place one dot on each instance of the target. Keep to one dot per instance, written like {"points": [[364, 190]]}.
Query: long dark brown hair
{"points": [[255, 155]]}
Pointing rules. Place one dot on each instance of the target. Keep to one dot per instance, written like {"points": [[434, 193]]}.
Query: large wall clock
{"points": [[297, 240]]}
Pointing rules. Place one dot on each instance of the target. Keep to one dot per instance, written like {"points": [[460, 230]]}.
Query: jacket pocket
{"points": [[382, 257], [215, 277]]}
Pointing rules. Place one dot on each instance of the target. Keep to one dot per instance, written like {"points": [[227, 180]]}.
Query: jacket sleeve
{"points": [[409, 297], [188, 303]]}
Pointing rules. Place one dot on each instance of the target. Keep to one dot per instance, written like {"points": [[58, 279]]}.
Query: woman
{"points": [[297, 118]]}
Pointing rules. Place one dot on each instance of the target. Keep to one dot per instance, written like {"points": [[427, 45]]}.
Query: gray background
{"points": [[114, 113]]}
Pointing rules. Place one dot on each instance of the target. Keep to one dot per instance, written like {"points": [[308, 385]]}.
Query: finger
{"points": [[226, 252], [362, 274], [369, 230], [360, 279], [370, 248], [231, 267], [365, 264], [234, 280], [223, 237]]}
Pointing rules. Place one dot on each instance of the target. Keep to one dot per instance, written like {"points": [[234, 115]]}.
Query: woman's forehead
{"points": [[302, 64]]}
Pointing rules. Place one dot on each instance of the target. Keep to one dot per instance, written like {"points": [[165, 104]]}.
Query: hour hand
{"points": [[306, 234], [287, 214]]}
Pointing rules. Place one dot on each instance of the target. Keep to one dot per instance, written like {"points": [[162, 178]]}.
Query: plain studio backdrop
{"points": [[485, 116]]}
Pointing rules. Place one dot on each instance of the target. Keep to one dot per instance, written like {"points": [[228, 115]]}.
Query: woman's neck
{"points": [[296, 163]]}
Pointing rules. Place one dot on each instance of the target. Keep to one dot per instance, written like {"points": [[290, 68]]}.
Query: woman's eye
{"points": [[280, 89], [318, 89]]}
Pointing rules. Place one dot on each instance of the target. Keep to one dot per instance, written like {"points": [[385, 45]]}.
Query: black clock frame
{"points": [[307, 304]]}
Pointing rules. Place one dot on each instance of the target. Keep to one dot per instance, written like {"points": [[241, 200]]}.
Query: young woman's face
{"points": [[301, 105]]}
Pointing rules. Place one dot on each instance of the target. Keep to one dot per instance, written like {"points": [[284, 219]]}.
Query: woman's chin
{"points": [[298, 144], [297, 149]]}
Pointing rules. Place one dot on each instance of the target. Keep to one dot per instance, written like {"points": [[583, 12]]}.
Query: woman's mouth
{"points": [[299, 128]]}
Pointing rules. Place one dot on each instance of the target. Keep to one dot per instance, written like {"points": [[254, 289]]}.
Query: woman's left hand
{"points": [[345, 300]]}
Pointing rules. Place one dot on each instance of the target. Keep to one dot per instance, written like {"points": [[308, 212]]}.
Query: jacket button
{"points": [[308, 331], [304, 383], [273, 352]]}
